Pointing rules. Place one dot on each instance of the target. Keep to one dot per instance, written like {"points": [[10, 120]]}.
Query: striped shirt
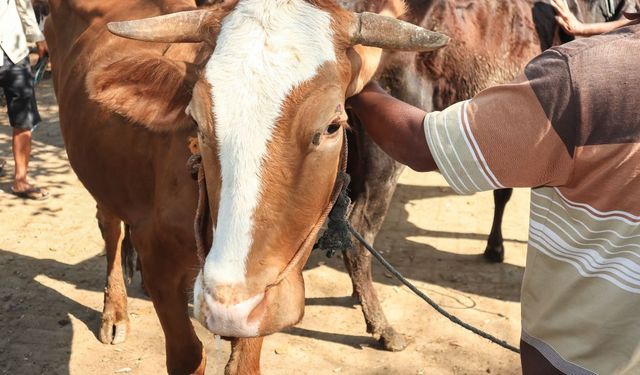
{"points": [[569, 127]]}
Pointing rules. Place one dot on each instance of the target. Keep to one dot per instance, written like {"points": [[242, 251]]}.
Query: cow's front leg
{"points": [[245, 357], [169, 267], [373, 183], [114, 325]]}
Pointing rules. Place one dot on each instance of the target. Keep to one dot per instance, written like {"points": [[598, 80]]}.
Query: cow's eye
{"points": [[332, 129]]}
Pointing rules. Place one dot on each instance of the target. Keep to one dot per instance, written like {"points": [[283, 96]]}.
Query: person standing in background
{"points": [[593, 17], [18, 25]]}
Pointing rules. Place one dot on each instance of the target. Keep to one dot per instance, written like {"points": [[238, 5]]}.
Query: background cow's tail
{"points": [[129, 256]]}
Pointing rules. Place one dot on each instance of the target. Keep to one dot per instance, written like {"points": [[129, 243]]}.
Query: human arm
{"points": [[396, 127], [514, 135], [30, 26], [568, 21]]}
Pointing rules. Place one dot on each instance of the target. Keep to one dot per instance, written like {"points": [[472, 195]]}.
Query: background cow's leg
{"points": [[245, 357], [169, 273], [374, 177], [114, 325], [494, 251]]}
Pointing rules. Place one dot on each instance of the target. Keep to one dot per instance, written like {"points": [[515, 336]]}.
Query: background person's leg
{"points": [[3, 99], [21, 152], [23, 116]]}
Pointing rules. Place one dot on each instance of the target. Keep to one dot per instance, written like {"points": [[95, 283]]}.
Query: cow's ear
{"points": [[151, 90]]}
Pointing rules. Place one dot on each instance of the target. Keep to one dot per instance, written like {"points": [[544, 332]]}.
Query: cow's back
{"points": [[491, 41]]}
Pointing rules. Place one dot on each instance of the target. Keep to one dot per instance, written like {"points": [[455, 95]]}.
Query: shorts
{"points": [[16, 81]]}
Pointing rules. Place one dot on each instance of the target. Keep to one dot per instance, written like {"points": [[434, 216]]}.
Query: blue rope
{"points": [[40, 69]]}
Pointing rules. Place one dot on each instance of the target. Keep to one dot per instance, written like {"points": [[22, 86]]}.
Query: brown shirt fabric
{"points": [[569, 127]]}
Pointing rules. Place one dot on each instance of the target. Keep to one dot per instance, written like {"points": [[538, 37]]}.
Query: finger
{"points": [[562, 23], [564, 5], [561, 6], [558, 6], [557, 9]]}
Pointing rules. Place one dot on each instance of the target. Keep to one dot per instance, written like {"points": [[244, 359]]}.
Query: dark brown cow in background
{"points": [[491, 41]]}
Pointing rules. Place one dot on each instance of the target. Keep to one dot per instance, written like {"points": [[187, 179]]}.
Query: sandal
{"points": [[3, 163], [33, 192]]}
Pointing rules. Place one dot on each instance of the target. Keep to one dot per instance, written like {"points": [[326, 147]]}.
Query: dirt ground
{"points": [[52, 272]]}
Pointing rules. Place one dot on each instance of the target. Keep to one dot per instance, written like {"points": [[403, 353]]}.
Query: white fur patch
{"points": [[265, 49], [225, 320]]}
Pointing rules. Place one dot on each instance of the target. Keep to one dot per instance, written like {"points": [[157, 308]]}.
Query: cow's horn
{"points": [[374, 30], [180, 27]]}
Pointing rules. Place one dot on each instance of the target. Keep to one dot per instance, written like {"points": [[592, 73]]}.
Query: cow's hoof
{"points": [[112, 332], [494, 254], [392, 340]]}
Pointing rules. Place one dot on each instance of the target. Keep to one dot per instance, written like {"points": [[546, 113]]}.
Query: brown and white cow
{"points": [[266, 88], [269, 104]]}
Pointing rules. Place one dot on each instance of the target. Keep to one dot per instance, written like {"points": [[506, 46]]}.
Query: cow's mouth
{"points": [[261, 314]]}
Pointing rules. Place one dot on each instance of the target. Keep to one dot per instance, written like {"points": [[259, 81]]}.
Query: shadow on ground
{"points": [[31, 349], [48, 156]]}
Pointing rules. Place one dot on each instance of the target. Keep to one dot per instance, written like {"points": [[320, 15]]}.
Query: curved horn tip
{"points": [[431, 40], [375, 30], [112, 26], [117, 28]]}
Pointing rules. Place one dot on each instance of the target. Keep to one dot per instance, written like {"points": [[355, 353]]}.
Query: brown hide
{"points": [[491, 42], [139, 176], [121, 85], [125, 167]]}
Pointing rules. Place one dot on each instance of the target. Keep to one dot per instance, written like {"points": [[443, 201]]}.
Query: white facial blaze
{"points": [[264, 50]]}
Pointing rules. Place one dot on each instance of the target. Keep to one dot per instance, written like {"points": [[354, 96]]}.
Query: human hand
{"points": [[566, 19], [43, 48]]}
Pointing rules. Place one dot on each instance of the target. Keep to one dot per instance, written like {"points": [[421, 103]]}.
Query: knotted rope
{"points": [[336, 237]]}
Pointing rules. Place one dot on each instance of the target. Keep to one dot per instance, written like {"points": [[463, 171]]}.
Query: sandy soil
{"points": [[52, 271]]}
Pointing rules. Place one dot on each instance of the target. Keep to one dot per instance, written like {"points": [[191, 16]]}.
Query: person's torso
{"points": [[581, 290], [12, 38]]}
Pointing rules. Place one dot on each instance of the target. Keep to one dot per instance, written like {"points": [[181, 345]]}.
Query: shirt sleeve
{"points": [[29, 22], [520, 134]]}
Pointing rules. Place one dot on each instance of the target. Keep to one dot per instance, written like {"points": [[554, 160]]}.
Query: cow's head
{"points": [[269, 106]]}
